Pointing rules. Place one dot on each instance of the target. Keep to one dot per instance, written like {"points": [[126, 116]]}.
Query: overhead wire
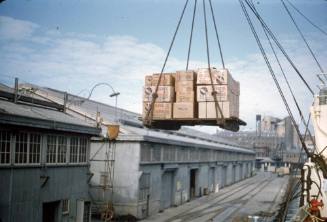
{"points": [[302, 36], [279, 46], [306, 18], [191, 35]]}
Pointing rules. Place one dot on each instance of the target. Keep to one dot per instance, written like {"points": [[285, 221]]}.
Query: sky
{"points": [[73, 45]]}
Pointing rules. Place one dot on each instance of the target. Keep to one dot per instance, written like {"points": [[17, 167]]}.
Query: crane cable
{"points": [[290, 89], [303, 38], [298, 11], [214, 92], [191, 35], [279, 46], [317, 158], [217, 36], [148, 118], [273, 74], [306, 124]]}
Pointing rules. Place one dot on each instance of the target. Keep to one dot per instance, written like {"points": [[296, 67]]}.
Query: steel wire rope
{"points": [[279, 46], [217, 35], [287, 82], [191, 35], [149, 113], [306, 124], [302, 36], [214, 93], [306, 18], [273, 74]]}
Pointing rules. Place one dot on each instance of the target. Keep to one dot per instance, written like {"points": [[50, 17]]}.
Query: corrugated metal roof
{"points": [[33, 116], [184, 137], [168, 137]]}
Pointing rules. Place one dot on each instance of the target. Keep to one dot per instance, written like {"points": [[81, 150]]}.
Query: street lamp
{"points": [[113, 94]]}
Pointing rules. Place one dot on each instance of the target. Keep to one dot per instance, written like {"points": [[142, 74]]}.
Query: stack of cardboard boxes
{"points": [[193, 92], [166, 95], [228, 91], [185, 105]]}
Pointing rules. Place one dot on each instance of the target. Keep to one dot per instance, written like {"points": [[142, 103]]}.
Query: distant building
{"points": [[274, 138], [44, 161]]}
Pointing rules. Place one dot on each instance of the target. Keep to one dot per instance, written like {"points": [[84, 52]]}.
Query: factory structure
{"points": [[58, 145], [275, 141]]}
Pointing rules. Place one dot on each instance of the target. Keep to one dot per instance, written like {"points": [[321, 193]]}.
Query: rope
{"points": [[279, 46], [147, 121], [214, 93], [273, 74], [191, 35], [302, 36], [306, 123], [298, 11], [290, 88], [217, 36]]}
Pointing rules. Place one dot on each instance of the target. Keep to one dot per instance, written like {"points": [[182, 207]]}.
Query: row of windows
{"points": [[27, 148], [174, 154]]}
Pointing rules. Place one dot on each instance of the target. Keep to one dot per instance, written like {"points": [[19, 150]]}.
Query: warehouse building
{"points": [[44, 167], [146, 171]]}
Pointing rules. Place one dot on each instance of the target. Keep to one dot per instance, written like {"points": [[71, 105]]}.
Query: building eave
{"points": [[49, 124]]}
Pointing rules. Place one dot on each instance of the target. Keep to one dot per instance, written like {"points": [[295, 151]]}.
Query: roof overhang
{"points": [[17, 120]]}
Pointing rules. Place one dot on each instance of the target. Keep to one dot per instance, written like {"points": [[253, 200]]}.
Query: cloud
{"points": [[74, 62], [15, 29]]}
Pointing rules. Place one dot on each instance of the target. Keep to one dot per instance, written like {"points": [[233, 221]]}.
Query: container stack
{"points": [[228, 91], [163, 107], [185, 105]]}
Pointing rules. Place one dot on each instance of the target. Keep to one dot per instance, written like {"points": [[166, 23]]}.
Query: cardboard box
{"points": [[237, 88], [160, 111], [207, 110], [184, 86], [166, 79], [204, 93], [219, 76], [148, 80], [184, 110], [185, 97], [185, 76], [165, 93]]}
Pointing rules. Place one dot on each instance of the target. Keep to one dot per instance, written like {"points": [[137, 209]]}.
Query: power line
{"points": [[298, 11]]}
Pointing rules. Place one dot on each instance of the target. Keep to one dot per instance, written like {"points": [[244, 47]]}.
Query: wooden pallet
{"points": [[232, 124]]}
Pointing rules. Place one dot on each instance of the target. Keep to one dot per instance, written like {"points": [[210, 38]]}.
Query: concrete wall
{"points": [[181, 182], [169, 173], [22, 194], [126, 175]]}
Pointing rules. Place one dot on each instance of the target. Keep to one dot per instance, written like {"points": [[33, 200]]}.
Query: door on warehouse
{"points": [[223, 176], [211, 184], [167, 189], [193, 183], [233, 174]]}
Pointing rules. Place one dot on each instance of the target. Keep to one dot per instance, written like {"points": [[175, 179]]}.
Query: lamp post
{"points": [[113, 94]]}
